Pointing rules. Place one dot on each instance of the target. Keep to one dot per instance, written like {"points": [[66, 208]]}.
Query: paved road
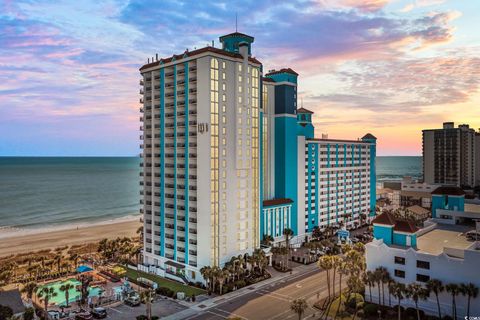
{"points": [[271, 302]]}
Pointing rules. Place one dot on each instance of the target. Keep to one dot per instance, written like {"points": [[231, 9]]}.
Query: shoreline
{"points": [[10, 232], [51, 239]]}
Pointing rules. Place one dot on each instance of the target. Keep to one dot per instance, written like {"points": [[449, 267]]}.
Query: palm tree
{"points": [[214, 275], [385, 277], [65, 266], [471, 291], [391, 282], [267, 240], [378, 280], [369, 279], [206, 273], [398, 290], [436, 286], [416, 292], [299, 306], [287, 233], [454, 290], [29, 289], [342, 270], [66, 290], [140, 232], [47, 293], [146, 297], [326, 263], [74, 258], [336, 261], [83, 287], [222, 276], [58, 260]]}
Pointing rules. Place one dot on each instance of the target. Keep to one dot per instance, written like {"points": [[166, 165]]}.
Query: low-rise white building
{"points": [[440, 250]]}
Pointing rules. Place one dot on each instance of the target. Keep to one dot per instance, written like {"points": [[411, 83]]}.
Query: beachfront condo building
{"points": [[451, 156], [228, 158]]}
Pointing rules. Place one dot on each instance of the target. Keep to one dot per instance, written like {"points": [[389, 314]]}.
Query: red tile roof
{"points": [[197, 52], [276, 202], [401, 225], [385, 218], [405, 226], [449, 190], [303, 110], [284, 70], [265, 79], [337, 140]]}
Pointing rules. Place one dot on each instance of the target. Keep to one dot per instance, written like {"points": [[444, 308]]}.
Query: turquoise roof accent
{"points": [[232, 41]]}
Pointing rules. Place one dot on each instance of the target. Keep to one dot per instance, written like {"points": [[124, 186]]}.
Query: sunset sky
{"points": [[69, 69]]}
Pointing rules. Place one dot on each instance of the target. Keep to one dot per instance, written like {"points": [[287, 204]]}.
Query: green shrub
{"points": [[164, 291], [370, 309], [410, 313], [29, 314]]}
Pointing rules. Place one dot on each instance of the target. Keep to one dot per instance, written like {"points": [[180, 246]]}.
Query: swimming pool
{"points": [[73, 294]]}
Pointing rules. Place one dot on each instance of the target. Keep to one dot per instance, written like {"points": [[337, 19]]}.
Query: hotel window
{"points": [[399, 260], [223, 65], [399, 273], [214, 201], [239, 67], [423, 264], [224, 108], [422, 277], [223, 86], [223, 75]]}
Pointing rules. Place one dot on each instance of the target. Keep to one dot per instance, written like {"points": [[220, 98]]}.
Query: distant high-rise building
{"points": [[451, 156], [228, 158]]}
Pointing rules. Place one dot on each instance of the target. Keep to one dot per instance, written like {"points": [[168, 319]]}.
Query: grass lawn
{"points": [[162, 282], [335, 305]]}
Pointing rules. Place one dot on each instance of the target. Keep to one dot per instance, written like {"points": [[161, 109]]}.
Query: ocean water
{"points": [[394, 168], [59, 192], [38, 193]]}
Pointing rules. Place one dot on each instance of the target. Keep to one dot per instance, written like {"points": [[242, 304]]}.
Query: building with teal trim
{"points": [[229, 157], [444, 247], [201, 171]]}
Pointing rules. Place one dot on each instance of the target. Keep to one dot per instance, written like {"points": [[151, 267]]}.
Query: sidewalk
{"points": [[194, 309]]}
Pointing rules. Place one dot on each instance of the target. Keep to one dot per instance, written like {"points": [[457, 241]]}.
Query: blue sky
{"points": [[69, 70]]}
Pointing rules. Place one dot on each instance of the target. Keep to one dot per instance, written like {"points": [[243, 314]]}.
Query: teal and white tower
{"points": [[228, 158]]}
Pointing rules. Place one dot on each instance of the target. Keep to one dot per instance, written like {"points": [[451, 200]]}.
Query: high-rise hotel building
{"points": [[451, 156], [228, 158]]}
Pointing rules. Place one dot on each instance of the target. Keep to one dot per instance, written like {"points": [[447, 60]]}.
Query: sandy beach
{"points": [[54, 239]]}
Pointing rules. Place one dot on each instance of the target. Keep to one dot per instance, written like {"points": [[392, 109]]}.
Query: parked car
{"points": [[132, 301], [472, 234], [83, 316], [99, 313]]}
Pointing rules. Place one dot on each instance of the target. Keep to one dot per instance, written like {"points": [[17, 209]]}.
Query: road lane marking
{"points": [[229, 313]]}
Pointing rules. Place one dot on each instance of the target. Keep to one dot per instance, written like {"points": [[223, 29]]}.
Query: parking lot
{"points": [[161, 307]]}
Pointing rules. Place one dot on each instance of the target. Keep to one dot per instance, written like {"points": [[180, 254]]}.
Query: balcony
{"points": [[141, 82], [141, 100], [141, 91]]}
